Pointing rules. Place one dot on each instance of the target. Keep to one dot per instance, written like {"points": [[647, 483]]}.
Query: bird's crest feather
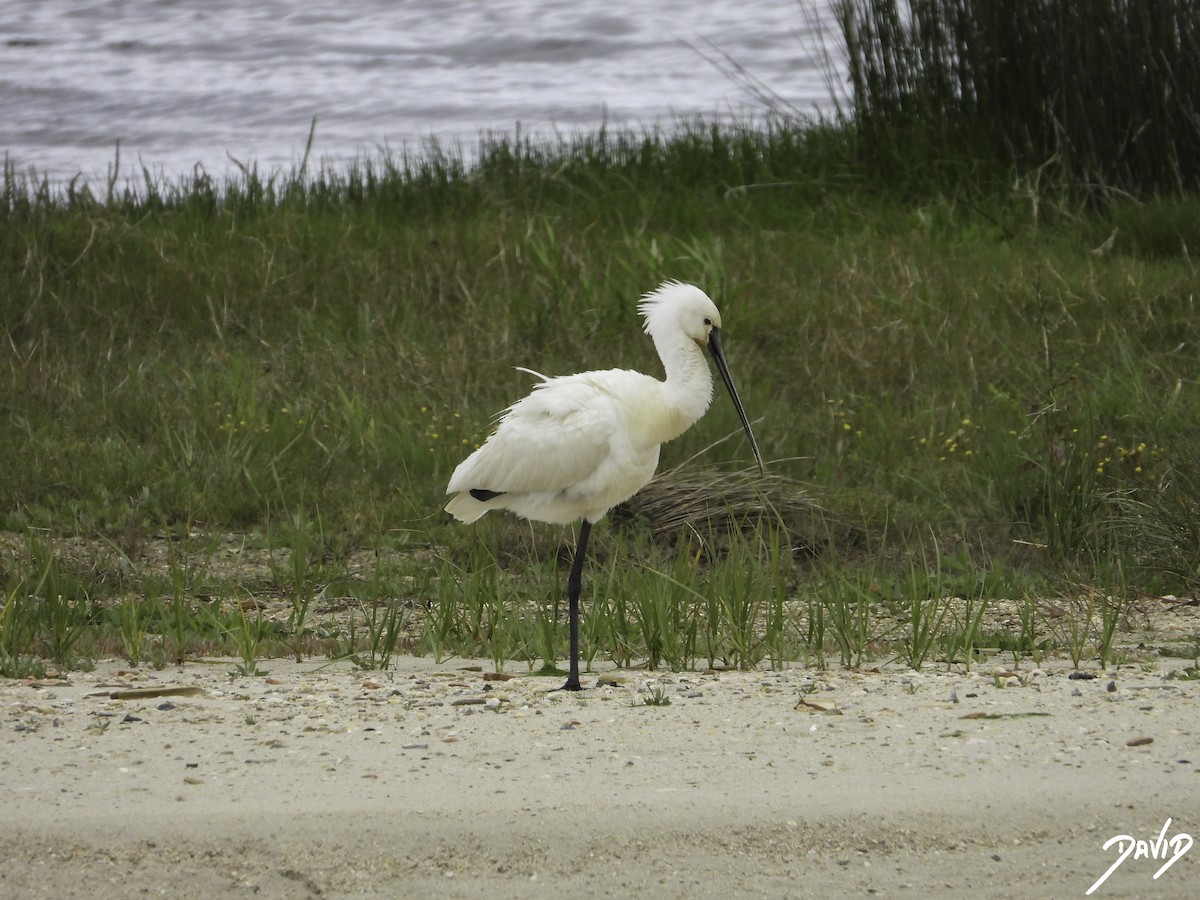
{"points": [[654, 300]]}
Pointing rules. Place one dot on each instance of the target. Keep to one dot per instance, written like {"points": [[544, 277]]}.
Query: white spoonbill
{"points": [[580, 444]]}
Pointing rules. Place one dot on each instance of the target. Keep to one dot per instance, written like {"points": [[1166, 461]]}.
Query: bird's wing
{"points": [[547, 441]]}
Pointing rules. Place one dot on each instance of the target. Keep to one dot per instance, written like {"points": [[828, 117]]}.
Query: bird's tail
{"points": [[465, 508]]}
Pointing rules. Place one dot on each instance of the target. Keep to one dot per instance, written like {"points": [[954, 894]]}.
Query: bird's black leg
{"points": [[574, 586]]}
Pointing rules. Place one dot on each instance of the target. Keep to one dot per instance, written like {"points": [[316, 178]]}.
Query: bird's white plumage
{"points": [[578, 445]]}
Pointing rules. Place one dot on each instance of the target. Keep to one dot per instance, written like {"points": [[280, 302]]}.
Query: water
{"points": [[181, 83]]}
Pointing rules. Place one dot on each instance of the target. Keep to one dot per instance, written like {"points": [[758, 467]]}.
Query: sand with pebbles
{"points": [[323, 781]]}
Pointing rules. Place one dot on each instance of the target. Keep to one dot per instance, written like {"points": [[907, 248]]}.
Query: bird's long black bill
{"points": [[718, 355]]}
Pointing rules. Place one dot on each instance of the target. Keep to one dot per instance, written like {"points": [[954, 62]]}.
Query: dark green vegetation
{"points": [[977, 377], [1103, 94]]}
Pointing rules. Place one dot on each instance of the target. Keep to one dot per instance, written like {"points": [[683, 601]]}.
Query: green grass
{"points": [[195, 375]]}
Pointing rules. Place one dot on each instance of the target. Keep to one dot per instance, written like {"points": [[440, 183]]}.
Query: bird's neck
{"points": [[689, 385]]}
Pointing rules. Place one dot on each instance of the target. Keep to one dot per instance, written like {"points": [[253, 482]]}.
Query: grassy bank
{"points": [[982, 392]]}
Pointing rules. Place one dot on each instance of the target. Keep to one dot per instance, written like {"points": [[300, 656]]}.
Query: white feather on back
{"points": [[548, 440], [565, 444]]}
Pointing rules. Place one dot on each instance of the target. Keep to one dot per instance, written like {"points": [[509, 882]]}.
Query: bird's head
{"points": [[677, 308]]}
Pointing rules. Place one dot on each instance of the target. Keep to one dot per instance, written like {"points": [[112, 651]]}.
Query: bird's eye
{"points": [[707, 321]]}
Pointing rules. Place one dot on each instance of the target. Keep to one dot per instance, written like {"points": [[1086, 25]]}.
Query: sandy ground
{"points": [[323, 781]]}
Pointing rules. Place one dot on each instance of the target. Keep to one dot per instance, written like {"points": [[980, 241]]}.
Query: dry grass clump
{"points": [[709, 500]]}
